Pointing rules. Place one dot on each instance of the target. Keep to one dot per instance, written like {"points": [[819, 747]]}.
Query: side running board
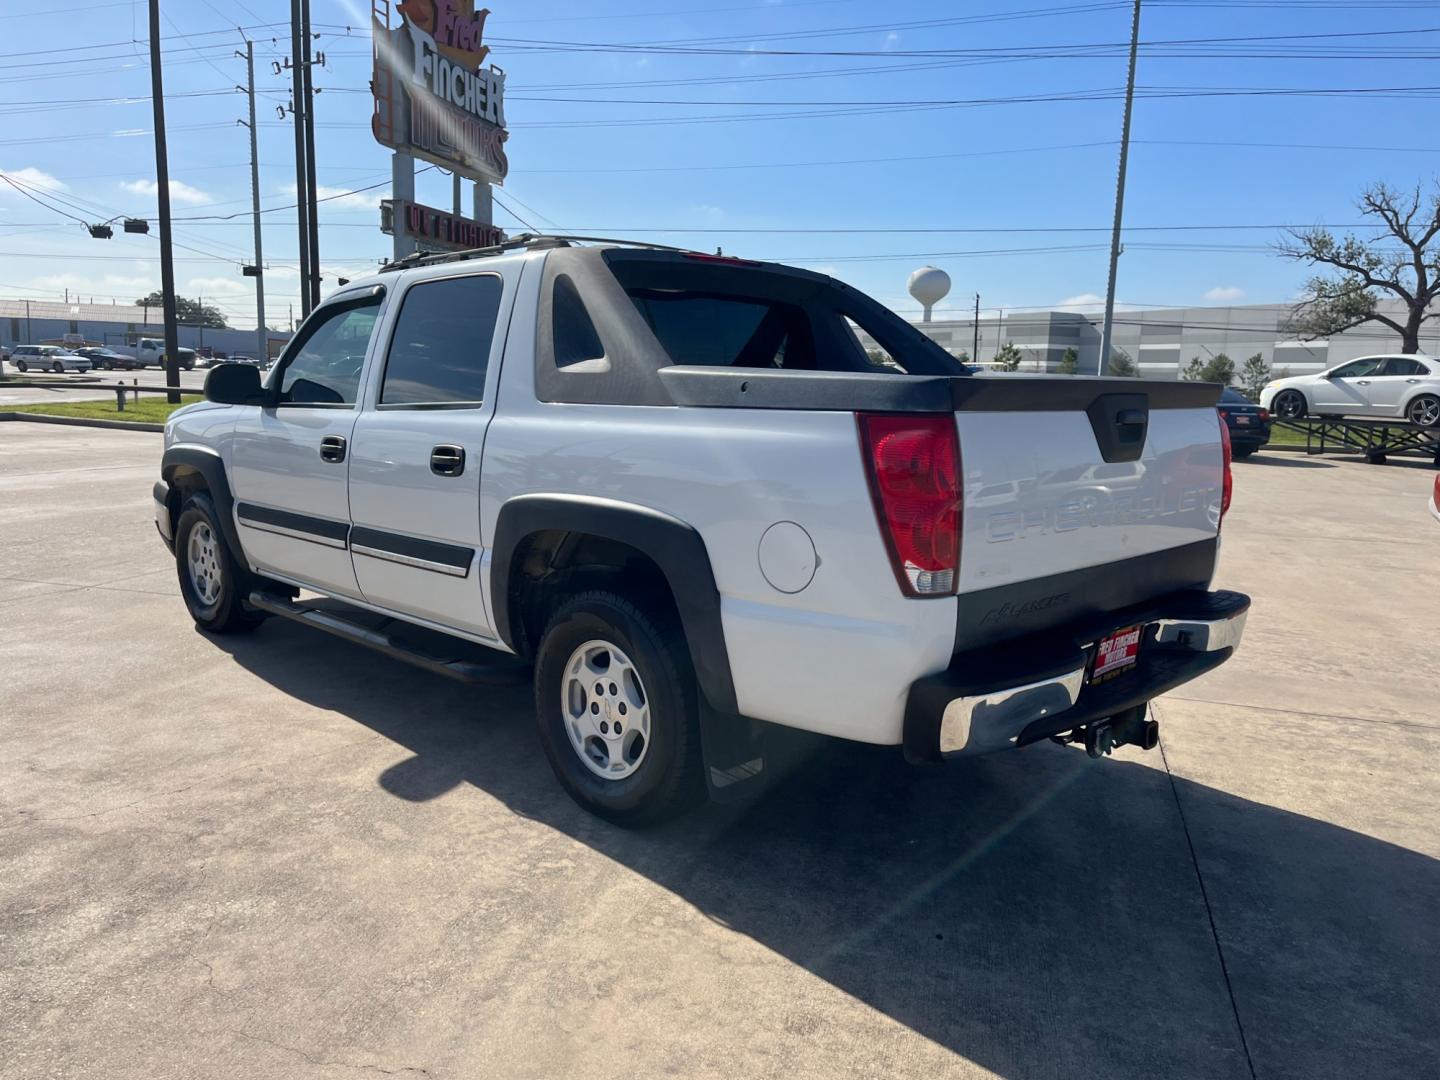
{"points": [[426, 649]]}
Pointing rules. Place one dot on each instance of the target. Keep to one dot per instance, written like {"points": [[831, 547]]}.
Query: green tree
{"points": [[1122, 365], [963, 355], [1008, 358], [190, 312], [1069, 362], [1254, 374], [1219, 368], [1400, 264]]}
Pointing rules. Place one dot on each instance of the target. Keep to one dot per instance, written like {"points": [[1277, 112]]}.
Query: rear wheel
{"points": [[1424, 411], [21, 366], [212, 583], [618, 709], [1289, 405], [1241, 453], [58, 368]]}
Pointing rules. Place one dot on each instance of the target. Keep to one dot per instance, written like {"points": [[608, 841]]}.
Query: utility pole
{"points": [[297, 107], [975, 351], [162, 181], [1104, 360], [262, 339], [312, 214]]}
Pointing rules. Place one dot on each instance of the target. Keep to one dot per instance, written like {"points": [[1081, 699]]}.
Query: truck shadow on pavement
{"points": [[1037, 913]]}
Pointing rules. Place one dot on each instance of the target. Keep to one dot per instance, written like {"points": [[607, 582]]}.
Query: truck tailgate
{"points": [[1058, 524]]}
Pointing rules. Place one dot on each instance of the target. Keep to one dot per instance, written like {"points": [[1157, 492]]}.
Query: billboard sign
{"points": [[434, 96], [436, 230]]}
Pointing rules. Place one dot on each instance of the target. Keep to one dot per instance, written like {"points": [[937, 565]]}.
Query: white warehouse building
{"points": [[1161, 342]]}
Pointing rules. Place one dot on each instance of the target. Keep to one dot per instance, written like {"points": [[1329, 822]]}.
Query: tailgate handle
{"points": [[1120, 423]]}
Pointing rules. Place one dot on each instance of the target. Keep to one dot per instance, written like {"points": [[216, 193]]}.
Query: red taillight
{"points": [[1265, 416], [1228, 483], [1435, 494], [914, 470]]}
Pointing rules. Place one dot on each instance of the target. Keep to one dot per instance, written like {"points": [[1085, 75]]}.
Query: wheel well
{"points": [[185, 481], [550, 566]]}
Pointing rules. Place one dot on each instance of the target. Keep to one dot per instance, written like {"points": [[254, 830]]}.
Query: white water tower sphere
{"points": [[929, 285]]}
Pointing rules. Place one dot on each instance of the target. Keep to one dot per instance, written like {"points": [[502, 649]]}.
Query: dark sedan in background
{"points": [[110, 360], [1249, 424]]}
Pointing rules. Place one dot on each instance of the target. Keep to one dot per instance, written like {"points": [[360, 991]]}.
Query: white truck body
{"points": [[815, 630]]}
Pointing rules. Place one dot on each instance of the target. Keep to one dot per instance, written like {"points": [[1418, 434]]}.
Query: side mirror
{"points": [[234, 384]]}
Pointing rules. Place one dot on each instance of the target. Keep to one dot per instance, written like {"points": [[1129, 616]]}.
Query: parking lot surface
{"points": [[85, 389], [283, 856]]}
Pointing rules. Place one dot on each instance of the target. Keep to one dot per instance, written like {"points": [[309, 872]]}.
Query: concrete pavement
{"points": [[85, 390], [282, 856]]}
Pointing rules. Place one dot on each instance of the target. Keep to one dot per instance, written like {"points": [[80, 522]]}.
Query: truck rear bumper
{"points": [[1031, 688]]}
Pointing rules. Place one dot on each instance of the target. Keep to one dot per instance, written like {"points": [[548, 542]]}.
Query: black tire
{"points": [[667, 780], [224, 614], [58, 368], [1289, 405], [1242, 454], [1424, 411], [21, 366]]}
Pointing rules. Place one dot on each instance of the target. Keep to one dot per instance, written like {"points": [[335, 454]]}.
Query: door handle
{"points": [[1362, 382], [447, 460], [1412, 380], [332, 448]]}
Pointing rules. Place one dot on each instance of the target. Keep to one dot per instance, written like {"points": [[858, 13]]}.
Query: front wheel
{"points": [[212, 583], [1424, 411], [617, 708], [1289, 405]]}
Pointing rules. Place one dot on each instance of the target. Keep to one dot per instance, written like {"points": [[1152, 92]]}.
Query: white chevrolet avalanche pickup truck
{"points": [[676, 489]]}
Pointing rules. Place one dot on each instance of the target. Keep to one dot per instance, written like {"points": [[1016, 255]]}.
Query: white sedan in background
{"points": [[1406, 387]]}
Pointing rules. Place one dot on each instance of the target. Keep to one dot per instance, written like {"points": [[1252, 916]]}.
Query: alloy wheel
{"points": [[607, 713]]}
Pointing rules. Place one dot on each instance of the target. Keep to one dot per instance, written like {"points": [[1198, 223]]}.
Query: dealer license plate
{"points": [[1116, 653], [1243, 421]]}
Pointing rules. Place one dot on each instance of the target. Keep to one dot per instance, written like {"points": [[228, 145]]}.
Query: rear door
{"points": [[290, 457], [415, 468], [1389, 386]]}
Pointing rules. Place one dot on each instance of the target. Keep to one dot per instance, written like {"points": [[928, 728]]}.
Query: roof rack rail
{"points": [[522, 240]]}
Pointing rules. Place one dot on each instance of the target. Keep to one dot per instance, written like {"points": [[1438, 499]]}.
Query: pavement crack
{"points": [[1305, 713], [324, 1064], [1209, 912]]}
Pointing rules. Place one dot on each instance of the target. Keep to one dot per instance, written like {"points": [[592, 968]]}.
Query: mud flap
{"points": [[734, 749]]}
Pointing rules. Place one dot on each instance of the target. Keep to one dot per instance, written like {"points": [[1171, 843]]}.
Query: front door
{"points": [[415, 464], [1346, 390], [290, 458]]}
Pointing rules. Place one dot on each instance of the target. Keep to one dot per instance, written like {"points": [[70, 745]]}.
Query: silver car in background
{"points": [[48, 358]]}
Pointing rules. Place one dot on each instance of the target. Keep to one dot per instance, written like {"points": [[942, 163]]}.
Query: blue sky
{"points": [[606, 164]]}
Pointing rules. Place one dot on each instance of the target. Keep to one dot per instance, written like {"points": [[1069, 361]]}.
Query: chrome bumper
{"points": [[993, 719]]}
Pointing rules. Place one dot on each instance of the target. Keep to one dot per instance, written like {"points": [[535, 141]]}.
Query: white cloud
{"points": [[1082, 303], [339, 198], [1225, 294], [179, 191], [892, 39], [34, 178]]}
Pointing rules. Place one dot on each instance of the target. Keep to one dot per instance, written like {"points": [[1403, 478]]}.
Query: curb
{"points": [[76, 421]]}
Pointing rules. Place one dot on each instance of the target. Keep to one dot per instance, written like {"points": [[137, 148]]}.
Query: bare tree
{"points": [[1398, 263]]}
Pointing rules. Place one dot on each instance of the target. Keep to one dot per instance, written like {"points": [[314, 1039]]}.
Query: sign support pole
{"points": [[402, 188], [162, 180]]}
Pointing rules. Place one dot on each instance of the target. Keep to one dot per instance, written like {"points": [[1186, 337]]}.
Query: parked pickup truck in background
{"points": [[152, 351], [674, 491]]}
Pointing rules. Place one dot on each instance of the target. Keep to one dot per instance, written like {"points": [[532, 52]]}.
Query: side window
{"points": [[571, 326], [1357, 369], [1401, 366], [441, 346], [325, 368]]}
